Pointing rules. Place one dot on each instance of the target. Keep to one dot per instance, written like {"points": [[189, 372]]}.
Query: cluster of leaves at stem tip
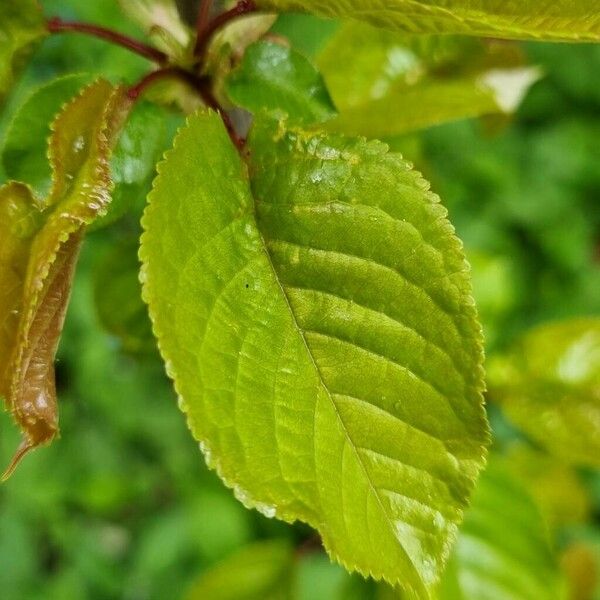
{"points": [[309, 297]]}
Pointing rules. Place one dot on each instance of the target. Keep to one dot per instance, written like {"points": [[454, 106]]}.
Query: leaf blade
{"points": [[275, 78], [400, 83], [573, 20], [225, 299]]}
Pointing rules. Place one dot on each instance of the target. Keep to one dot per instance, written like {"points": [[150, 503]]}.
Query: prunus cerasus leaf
{"points": [[314, 310]]}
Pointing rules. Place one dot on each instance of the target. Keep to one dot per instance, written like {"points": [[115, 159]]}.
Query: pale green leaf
{"points": [[26, 140], [561, 20], [503, 550], [306, 33], [160, 20], [399, 83], [227, 48], [261, 571], [549, 386], [39, 244], [556, 487], [281, 81], [321, 334], [21, 26]]}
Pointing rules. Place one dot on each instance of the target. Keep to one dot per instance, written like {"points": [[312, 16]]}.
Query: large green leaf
{"points": [[576, 20], [503, 551], [280, 80], [322, 337], [550, 387], [398, 82], [39, 244], [21, 25]]}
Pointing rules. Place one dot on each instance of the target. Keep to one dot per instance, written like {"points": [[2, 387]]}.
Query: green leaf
{"points": [[228, 46], [261, 571], [21, 25], [555, 486], [280, 80], [26, 140], [503, 551], [118, 297], [306, 33], [161, 21], [549, 386], [138, 148], [39, 244], [567, 20], [399, 83], [321, 334]]}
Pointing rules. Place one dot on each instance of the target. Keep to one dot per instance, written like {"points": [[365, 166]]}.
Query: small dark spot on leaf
{"points": [[247, 285]]}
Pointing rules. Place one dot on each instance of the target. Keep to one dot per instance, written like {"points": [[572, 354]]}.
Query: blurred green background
{"points": [[122, 506]]}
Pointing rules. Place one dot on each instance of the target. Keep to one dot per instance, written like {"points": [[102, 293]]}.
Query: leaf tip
{"points": [[23, 448]]}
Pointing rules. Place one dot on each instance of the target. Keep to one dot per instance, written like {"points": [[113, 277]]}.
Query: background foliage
{"points": [[124, 507]]}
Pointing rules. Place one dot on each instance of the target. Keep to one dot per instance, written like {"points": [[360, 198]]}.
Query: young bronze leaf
{"points": [[321, 333], [38, 252]]}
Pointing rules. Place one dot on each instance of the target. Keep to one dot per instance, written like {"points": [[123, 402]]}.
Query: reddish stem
{"points": [[243, 7], [203, 16], [200, 84], [206, 30], [57, 25]]}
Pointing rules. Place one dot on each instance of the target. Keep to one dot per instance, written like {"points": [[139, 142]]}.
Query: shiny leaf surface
{"points": [[322, 337], [281, 81]]}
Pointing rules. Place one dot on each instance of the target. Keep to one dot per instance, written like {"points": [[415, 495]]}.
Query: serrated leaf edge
{"points": [[213, 463]]}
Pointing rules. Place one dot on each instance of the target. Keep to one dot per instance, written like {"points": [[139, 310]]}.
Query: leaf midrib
{"points": [[419, 587]]}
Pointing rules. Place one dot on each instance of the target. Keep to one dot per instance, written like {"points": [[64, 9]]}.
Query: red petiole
{"points": [[57, 25], [206, 29]]}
